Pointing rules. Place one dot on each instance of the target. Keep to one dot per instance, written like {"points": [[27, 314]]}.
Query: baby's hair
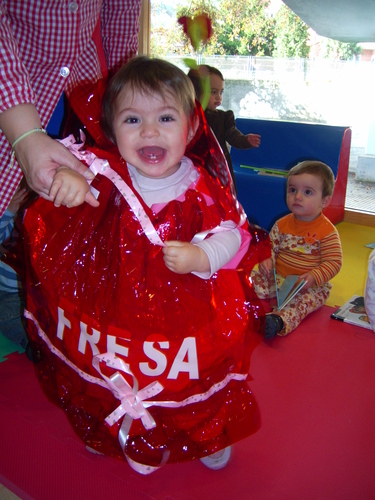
{"points": [[214, 71], [147, 76], [195, 76], [319, 169]]}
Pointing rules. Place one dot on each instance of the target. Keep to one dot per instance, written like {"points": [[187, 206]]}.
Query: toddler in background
{"points": [[304, 243], [221, 122], [370, 290]]}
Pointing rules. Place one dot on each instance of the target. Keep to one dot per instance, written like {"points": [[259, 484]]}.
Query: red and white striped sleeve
{"points": [[15, 87], [331, 258]]}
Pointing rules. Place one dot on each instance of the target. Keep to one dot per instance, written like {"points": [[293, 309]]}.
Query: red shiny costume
{"points": [[95, 284]]}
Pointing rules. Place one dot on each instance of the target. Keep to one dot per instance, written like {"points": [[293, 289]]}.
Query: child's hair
{"points": [[195, 76], [214, 71], [147, 76], [319, 169]]}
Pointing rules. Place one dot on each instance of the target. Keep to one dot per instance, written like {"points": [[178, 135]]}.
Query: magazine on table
{"points": [[291, 285], [353, 312]]}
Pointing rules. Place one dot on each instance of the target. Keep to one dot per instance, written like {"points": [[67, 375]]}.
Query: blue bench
{"points": [[283, 145]]}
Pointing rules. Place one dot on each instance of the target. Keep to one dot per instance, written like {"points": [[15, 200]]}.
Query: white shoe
{"points": [[217, 460], [91, 450]]}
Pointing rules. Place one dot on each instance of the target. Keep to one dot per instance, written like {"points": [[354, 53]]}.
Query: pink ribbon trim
{"points": [[100, 166], [134, 403], [131, 399]]}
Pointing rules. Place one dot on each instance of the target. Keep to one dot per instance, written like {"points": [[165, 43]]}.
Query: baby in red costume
{"points": [[142, 309]]}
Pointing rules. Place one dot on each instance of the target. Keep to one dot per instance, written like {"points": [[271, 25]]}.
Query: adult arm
{"points": [[38, 155], [119, 29]]}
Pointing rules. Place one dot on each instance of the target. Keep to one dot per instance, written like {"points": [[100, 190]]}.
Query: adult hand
{"points": [[39, 157]]}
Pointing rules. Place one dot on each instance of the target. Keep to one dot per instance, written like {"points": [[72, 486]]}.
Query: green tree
{"points": [[291, 35], [245, 28], [333, 49], [239, 28], [166, 34], [172, 40], [166, 41], [196, 8]]}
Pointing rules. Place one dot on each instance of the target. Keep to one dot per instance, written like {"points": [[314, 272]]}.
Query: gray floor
{"points": [[5, 494], [360, 195]]}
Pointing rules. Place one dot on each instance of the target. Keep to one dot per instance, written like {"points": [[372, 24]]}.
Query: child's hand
{"points": [[19, 198], [253, 140], [265, 267], [183, 258], [70, 188], [310, 280]]}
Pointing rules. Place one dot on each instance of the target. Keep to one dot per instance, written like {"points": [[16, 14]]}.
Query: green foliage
{"points": [[333, 49], [245, 28], [241, 27], [195, 8], [291, 35]]}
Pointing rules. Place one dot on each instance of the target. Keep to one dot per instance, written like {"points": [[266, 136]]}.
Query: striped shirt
{"points": [[299, 247], [50, 47], [9, 279]]}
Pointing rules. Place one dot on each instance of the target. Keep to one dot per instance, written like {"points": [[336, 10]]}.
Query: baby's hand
{"points": [[69, 188], [253, 140], [310, 280], [183, 258], [19, 198], [265, 267]]}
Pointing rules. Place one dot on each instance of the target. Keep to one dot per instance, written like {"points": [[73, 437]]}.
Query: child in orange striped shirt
{"points": [[305, 243]]}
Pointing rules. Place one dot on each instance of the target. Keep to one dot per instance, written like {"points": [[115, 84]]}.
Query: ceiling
{"points": [[343, 20]]}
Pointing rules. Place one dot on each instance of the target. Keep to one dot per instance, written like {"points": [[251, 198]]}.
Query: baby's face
{"points": [[304, 196], [217, 90], [151, 132]]}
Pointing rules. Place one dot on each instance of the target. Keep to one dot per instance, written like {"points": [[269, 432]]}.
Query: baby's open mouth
{"points": [[152, 152]]}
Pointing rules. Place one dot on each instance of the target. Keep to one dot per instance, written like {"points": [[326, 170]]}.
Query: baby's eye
{"points": [[213, 92], [308, 192], [167, 118], [132, 119], [291, 190]]}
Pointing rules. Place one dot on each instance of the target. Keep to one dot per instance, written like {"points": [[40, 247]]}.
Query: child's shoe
{"points": [[32, 353], [274, 325], [217, 460], [91, 450]]}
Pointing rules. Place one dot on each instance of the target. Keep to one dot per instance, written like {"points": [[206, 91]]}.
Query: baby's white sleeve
{"points": [[370, 290], [220, 248]]}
